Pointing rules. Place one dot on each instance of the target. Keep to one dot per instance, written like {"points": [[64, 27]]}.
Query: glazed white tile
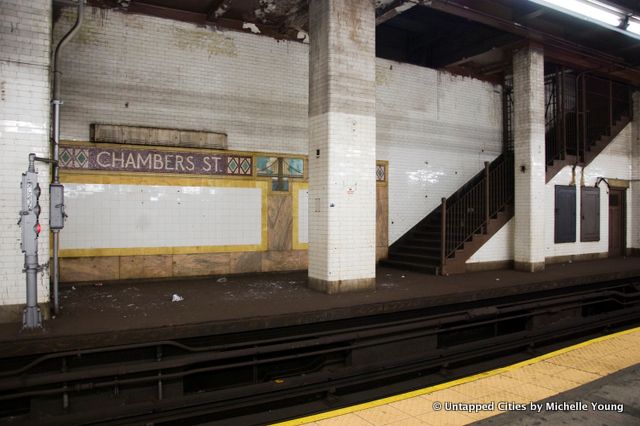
{"points": [[127, 216], [24, 128]]}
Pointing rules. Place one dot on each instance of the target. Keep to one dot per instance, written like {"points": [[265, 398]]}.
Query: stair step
{"points": [[416, 258], [429, 269], [424, 241], [427, 234], [433, 249]]}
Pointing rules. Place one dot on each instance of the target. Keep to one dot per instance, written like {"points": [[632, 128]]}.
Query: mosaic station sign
{"points": [[154, 161]]}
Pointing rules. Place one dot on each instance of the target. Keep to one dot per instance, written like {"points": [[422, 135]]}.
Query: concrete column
{"points": [[633, 221], [25, 50], [342, 145], [529, 150]]}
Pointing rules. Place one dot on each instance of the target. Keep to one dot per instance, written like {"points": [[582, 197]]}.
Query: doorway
{"points": [[616, 222]]}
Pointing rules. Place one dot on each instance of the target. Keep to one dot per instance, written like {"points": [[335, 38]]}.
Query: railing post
{"points": [[610, 108], [443, 234], [563, 124], [487, 197], [583, 149]]}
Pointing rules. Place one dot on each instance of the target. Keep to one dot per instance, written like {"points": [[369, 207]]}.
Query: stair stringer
{"points": [[457, 263]]}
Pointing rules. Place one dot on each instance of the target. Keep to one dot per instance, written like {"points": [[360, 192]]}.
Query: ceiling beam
{"points": [[597, 59]]}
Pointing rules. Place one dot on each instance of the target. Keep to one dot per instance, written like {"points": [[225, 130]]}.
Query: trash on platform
{"points": [[177, 298], [97, 284], [497, 279], [222, 280], [73, 287], [402, 276]]}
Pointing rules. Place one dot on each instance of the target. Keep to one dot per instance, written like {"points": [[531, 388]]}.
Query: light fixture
{"points": [[634, 27], [600, 13]]}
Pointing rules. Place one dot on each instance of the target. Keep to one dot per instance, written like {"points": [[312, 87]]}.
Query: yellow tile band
{"points": [[168, 180], [431, 389], [295, 189]]}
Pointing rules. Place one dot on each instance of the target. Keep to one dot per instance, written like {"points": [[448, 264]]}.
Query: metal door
{"points": [[616, 222]]}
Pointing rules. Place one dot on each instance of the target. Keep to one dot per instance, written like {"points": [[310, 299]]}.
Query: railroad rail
{"points": [[265, 375]]}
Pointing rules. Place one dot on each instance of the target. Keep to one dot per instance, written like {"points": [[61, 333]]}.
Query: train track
{"points": [[263, 376]]}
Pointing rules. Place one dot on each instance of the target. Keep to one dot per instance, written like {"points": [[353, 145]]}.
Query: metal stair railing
{"points": [[579, 110], [469, 212]]}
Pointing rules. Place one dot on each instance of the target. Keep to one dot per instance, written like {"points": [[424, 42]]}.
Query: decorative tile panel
{"points": [[74, 158], [292, 167], [381, 172], [267, 166], [154, 161]]}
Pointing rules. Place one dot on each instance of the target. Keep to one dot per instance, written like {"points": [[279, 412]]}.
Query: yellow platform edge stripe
{"points": [[424, 391]]}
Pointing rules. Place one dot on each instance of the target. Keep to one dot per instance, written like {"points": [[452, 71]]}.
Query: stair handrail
{"points": [[487, 193], [599, 104]]}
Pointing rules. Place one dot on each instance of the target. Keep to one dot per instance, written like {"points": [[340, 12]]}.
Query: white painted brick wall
{"points": [[25, 28], [613, 162], [498, 248], [140, 70], [436, 129]]}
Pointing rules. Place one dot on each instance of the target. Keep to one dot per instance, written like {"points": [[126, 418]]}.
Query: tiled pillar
{"points": [[342, 145], [25, 50], [634, 220], [529, 150]]}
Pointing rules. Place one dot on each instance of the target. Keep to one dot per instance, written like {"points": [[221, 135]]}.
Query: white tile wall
{"points": [[126, 216], [498, 248], [346, 200], [436, 130], [613, 162], [25, 33]]}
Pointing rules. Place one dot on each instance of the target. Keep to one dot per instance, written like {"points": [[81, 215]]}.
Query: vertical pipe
{"points": [[584, 119], [610, 108], [56, 179], [443, 234], [563, 124], [56, 102], [487, 213]]}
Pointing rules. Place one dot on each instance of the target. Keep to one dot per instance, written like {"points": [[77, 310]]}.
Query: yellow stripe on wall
{"points": [[295, 189]]}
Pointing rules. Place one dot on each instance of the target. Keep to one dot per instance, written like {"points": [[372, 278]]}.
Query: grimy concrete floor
{"points": [[110, 313]]}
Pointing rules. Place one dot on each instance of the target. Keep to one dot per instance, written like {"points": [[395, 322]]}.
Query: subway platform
{"points": [[592, 383], [115, 313]]}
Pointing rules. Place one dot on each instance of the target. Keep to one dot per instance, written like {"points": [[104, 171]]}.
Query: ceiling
{"points": [[473, 37]]}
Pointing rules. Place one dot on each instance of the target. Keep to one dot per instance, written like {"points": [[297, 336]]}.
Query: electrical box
{"points": [[30, 212], [56, 204]]}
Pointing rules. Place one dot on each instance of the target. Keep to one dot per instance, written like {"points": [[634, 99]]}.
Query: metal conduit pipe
{"points": [[56, 102]]}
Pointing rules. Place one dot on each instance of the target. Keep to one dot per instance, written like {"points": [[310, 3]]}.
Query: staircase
{"points": [[442, 242], [583, 114]]}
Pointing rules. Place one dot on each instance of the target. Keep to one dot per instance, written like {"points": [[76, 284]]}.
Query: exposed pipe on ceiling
{"points": [[56, 102]]}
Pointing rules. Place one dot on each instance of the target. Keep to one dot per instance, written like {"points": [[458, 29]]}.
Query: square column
{"points": [[342, 145], [25, 108], [529, 155], [633, 221]]}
